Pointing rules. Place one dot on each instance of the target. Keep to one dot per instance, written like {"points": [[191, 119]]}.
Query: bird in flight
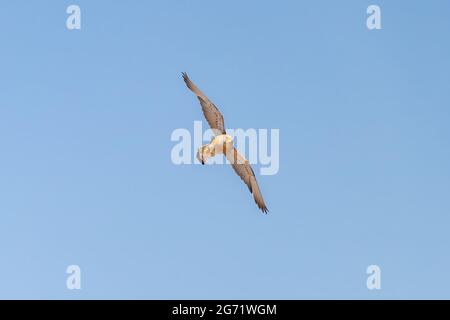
{"points": [[222, 143]]}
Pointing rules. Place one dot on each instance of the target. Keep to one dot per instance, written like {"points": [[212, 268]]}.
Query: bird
{"points": [[222, 143]]}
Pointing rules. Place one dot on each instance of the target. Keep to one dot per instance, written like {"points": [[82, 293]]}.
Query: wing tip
{"points": [[189, 83], [264, 209], [185, 77]]}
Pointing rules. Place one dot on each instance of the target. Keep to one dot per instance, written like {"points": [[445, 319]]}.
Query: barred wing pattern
{"points": [[245, 171], [210, 111]]}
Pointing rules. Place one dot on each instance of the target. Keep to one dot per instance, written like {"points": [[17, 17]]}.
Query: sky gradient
{"points": [[86, 177]]}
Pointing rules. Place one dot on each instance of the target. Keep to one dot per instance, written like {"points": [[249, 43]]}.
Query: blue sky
{"points": [[85, 170]]}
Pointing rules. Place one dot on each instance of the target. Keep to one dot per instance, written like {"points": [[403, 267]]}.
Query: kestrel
{"points": [[222, 143]]}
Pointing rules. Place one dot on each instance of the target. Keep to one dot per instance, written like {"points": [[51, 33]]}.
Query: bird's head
{"points": [[200, 156]]}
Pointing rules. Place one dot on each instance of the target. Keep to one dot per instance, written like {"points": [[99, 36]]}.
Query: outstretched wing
{"points": [[212, 114], [245, 171]]}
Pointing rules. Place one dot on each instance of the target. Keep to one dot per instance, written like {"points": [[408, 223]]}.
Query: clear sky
{"points": [[86, 176]]}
